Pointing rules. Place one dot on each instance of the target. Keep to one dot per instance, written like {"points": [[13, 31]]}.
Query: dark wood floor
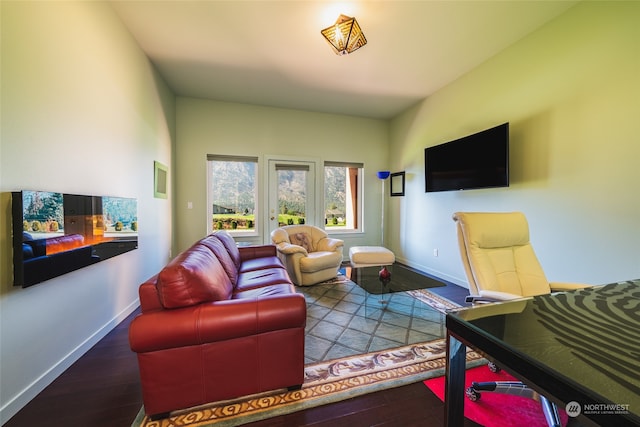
{"points": [[102, 389]]}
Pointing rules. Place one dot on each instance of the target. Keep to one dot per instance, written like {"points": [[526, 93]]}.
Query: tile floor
{"points": [[344, 320]]}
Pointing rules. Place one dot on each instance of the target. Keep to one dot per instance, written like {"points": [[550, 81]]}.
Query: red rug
{"points": [[497, 410]]}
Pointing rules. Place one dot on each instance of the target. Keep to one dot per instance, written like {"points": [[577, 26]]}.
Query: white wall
{"points": [[211, 127], [572, 95], [83, 112]]}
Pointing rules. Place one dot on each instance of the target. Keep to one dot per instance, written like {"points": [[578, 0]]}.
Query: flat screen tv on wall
{"points": [[56, 233], [476, 161]]}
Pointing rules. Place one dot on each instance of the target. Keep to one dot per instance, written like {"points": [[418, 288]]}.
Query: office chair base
{"points": [[514, 388], [550, 410]]}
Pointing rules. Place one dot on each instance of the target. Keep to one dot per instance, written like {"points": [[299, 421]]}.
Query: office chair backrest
{"points": [[497, 255]]}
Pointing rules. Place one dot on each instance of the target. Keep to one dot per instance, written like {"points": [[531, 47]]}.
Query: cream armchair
{"points": [[309, 254]]}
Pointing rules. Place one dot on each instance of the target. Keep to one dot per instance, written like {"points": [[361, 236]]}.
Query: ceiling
{"points": [[272, 53]]}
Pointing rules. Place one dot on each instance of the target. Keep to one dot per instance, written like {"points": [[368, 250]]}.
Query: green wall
{"points": [[83, 112], [571, 92], [211, 127]]}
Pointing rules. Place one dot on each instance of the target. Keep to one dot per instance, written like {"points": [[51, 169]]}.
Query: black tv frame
{"points": [[476, 161]]}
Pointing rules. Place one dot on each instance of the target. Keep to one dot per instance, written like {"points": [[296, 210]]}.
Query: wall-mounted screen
{"points": [[476, 161], [56, 233]]}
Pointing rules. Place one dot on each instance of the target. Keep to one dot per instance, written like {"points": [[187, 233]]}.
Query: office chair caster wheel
{"points": [[493, 367], [472, 394]]}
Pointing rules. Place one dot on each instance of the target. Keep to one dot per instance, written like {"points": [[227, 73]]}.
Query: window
{"points": [[294, 192], [342, 200], [231, 193]]}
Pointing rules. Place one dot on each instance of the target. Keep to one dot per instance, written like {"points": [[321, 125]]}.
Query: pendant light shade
{"points": [[345, 36]]}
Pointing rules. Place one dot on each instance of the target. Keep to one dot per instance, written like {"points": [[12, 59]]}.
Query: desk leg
{"points": [[454, 385]]}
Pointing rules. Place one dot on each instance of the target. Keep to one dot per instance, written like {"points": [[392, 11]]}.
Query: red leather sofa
{"points": [[218, 322]]}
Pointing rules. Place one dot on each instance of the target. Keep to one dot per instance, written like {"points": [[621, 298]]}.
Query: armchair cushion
{"points": [[302, 239], [287, 248], [320, 261], [328, 244]]}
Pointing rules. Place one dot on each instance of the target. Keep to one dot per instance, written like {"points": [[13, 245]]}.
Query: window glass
{"points": [[292, 193], [232, 193], [342, 200]]}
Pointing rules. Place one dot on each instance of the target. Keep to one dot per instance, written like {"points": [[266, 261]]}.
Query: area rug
{"points": [[494, 409], [325, 382]]}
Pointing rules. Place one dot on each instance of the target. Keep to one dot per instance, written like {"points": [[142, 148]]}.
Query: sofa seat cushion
{"points": [[260, 263], [264, 277], [317, 261], [265, 291], [193, 277], [244, 316]]}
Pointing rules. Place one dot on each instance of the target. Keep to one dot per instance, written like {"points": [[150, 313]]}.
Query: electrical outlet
{"points": [[435, 252]]}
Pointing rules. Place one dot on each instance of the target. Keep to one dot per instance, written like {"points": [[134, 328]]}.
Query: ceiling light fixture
{"points": [[345, 35]]}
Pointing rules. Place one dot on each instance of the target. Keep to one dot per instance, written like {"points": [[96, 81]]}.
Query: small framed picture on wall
{"points": [[160, 180], [397, 184]]}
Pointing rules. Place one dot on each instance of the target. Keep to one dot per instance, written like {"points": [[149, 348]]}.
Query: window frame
{"points": [[257, 207], [359, 198]]}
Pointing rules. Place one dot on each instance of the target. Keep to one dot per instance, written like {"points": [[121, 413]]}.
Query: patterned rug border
{"points": [[325, 382], [435, 301]]}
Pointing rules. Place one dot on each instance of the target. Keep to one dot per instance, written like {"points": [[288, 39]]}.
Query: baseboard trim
{"points": [[435, 273], [19, 401]]}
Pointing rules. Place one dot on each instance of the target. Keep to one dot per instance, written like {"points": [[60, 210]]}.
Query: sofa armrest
{"points": [[148, 294], [329, 244], [256, 251], [290, 249], [216, 321]]}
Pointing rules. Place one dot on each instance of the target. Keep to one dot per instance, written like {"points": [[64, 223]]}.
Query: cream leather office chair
{"points": [[501, 265], [498, 258], [308, 253]]}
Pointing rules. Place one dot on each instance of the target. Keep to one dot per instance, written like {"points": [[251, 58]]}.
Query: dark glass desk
{"points": [[581, 346]]}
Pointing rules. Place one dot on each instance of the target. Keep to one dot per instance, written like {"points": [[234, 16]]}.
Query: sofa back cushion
{"points": [[193, 277], [220, 251], [230, 244]]}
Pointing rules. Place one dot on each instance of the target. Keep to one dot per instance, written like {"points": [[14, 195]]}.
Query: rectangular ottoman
{"points": [[370, 256]]}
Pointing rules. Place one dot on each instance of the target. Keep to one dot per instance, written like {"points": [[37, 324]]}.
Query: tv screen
{"points": [[476, 161], [55, 233]]}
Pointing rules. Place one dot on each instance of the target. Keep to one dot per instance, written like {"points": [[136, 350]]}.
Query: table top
{"points": [[581, 346]]}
